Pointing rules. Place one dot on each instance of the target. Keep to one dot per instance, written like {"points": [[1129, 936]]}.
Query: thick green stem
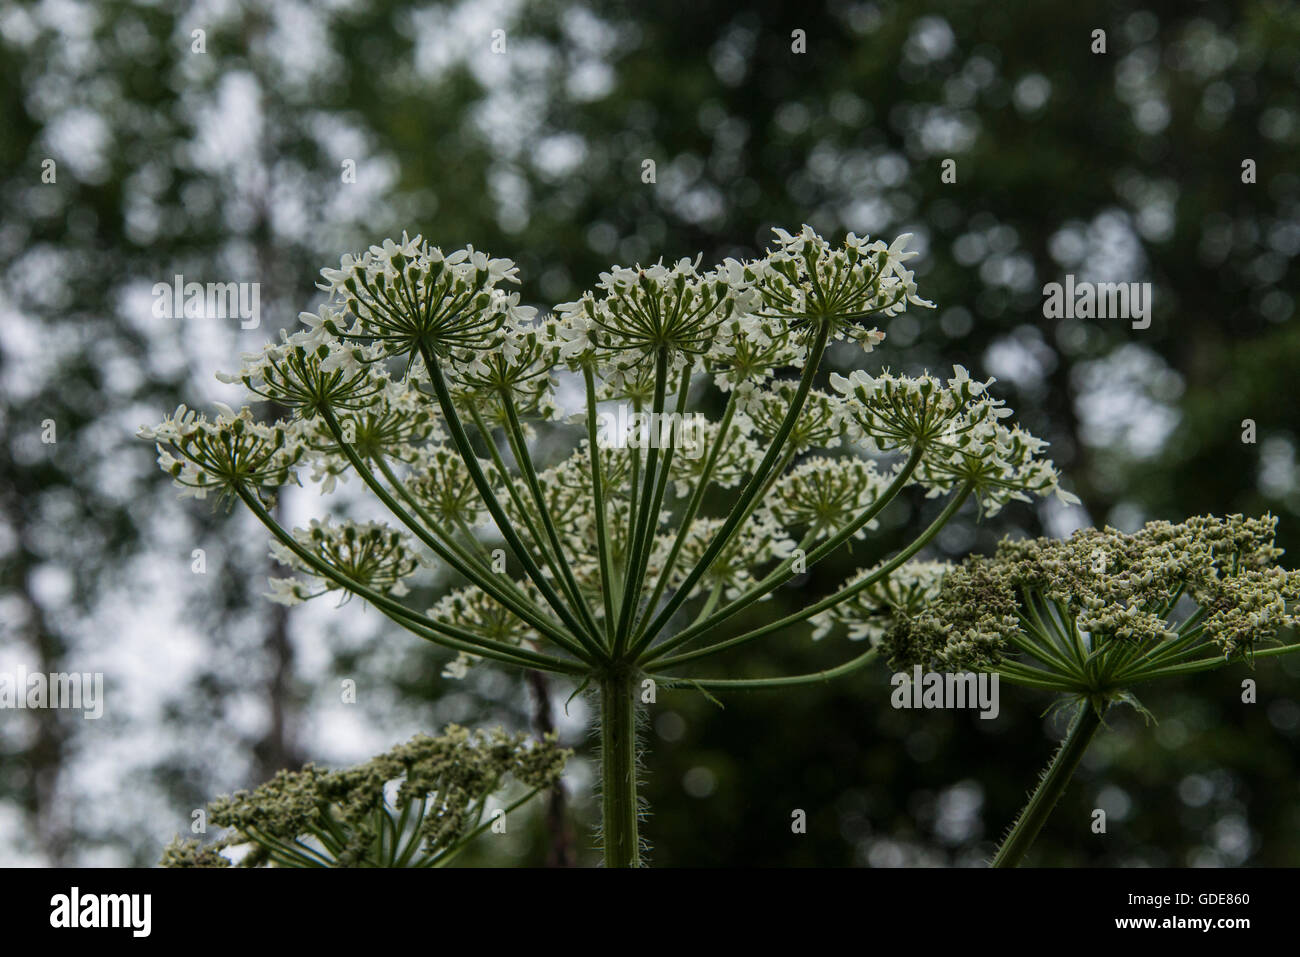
{"points": [[619, 812], [1053, 784]]}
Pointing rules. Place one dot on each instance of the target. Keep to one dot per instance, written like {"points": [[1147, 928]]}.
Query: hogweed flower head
{"points": [[305, 374], [417, 805], [626, 549], [820, 425], [370, 554], [871, 611], [958, 427], [645, 309], [402, 297], [1103, 611], [1090, 619], [231, 451], [806, 281], [822, 494]]}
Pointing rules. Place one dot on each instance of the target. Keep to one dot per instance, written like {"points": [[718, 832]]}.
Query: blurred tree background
{"points": [[229, 163]]}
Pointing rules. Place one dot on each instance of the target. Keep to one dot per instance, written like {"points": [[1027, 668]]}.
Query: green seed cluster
{"points": [[346, 818], [1109, 587]]}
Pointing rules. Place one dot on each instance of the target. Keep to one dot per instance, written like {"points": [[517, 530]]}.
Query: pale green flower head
{"points": [[370, 553], [230, 452], [902, 595], [418, 805], [821, 423], [307, 374], [645, 309], [822, 494], [807, 282], [1103, 611], [958, 429], [406, 297]]}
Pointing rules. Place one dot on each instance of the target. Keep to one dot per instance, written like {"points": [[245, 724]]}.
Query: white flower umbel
{"points": [[629, 553], [371, 553]]}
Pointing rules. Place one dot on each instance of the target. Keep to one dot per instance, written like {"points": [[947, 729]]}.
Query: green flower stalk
{"points": [[1089, 619], [626, 555], [418, 805]]}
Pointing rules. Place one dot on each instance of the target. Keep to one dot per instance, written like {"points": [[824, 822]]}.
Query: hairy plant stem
{"points": [[1050, 788], [619, 810]]}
